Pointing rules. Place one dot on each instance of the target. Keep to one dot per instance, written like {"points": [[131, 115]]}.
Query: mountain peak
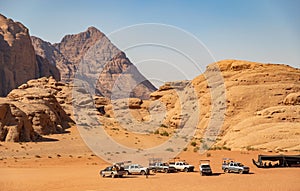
{"points": [[93, 29]]}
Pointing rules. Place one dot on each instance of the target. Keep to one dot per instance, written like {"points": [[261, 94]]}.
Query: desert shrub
{"points": [[165, 133], [170, 150], [249, 148], [226, 148], [115, 129], [193, 143], [163, 125], [196, 149]]}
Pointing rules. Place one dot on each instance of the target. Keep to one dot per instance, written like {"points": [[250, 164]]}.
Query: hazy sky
{"points": [[255, 30]]}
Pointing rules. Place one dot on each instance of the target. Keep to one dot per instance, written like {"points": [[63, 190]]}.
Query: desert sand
{"points": [[67, 164]]}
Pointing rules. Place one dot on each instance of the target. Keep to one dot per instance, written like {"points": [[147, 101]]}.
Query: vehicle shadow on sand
{"points": [[139, 176]]}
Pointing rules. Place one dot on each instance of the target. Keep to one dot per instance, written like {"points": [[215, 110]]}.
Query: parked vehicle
{"points": [[136, 169], [232, 166], [277, 161], [181, 165], [204, 168], [113, 171], [156, 165], [161, 167]]}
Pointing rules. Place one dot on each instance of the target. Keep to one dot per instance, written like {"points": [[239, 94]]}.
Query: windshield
{"points": [[205, 166]]}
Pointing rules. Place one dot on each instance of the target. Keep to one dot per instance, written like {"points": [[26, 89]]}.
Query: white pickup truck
{"points": [[182, 166], [136, 169]]}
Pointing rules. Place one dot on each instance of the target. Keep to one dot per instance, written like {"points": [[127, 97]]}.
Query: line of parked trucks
{"points": [[176, 165]]}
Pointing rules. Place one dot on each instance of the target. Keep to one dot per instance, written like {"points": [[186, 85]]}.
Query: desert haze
{"points": [[42, 149]]}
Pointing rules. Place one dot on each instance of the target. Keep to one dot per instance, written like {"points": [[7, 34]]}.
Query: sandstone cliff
{"points": [[18, 61], [17, 57]]}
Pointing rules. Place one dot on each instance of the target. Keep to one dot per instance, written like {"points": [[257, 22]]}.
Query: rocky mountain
{"points": [[18, 62], [75, 46], [24, 58], [100, 61]]}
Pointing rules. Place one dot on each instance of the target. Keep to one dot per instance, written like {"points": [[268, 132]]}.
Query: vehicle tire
{"points": [[166, 170], [186, 170], [113, 175], [121, 176], [143, 172], [103, 175], [240, 171], [127, 173], [226, 170]]}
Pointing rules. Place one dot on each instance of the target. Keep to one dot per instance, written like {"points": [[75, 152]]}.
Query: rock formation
{"points": [[260, 106], [18, 62], [14, 123], [104, 64], [17, 57], [46, 52], [34, 109]]}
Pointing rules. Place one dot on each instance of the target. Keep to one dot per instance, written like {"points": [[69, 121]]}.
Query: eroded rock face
{"points": [[35, 109], [17, 56], [47, 52], [18, 61], [42, 109], [105, 65], [15, 125], [46, 69], [262, 105], [73, 47]]}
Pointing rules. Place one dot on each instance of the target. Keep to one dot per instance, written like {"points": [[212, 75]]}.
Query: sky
{"points": [[265, 31]]}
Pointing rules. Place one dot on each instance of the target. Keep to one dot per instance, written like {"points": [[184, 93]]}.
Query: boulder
{"points": [[292, 99]]}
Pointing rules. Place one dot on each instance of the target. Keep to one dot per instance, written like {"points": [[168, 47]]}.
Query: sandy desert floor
{"points": [[68, 164]]}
